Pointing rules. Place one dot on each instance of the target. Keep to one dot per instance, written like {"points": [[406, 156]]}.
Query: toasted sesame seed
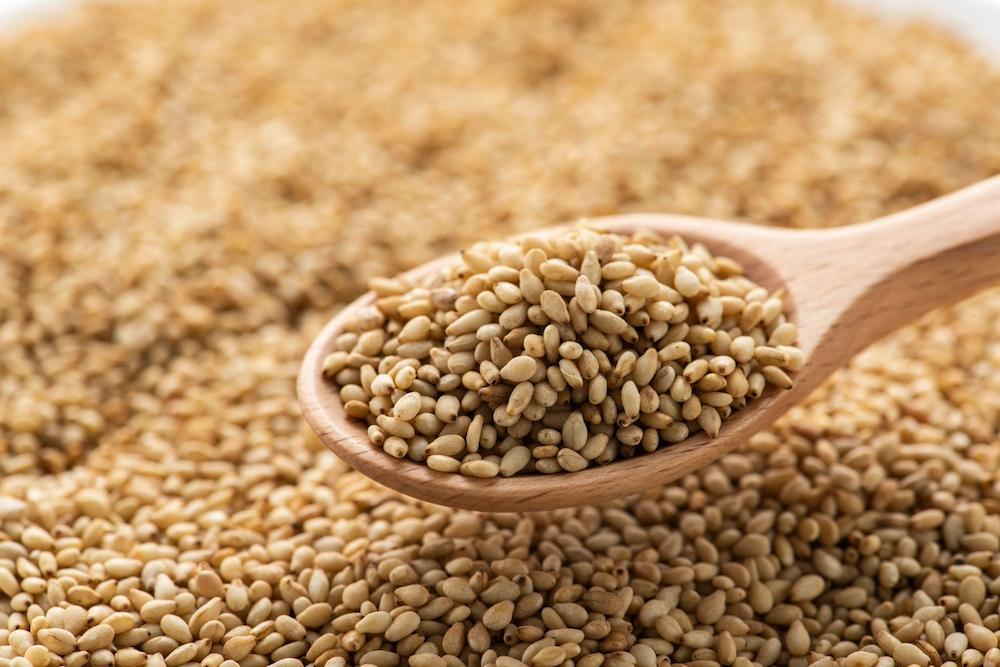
{"points": [[170, 252]]}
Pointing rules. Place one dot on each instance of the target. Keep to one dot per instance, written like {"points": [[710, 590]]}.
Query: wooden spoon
{"points": [[847, 287]]}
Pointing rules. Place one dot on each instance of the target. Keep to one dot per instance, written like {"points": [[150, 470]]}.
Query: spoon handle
{"points": [[864, 281]]}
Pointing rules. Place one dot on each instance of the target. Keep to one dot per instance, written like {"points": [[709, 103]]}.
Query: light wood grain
{"points": [[847, 287]]}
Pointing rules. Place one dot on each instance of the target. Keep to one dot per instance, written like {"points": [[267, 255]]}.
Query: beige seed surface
{"points": [[186, 192], [552, 371]]}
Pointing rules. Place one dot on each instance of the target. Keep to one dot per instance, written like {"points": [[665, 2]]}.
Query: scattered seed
{"points": [[177, 247]]}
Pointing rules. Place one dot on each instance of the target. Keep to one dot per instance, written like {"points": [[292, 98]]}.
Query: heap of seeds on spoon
{"points": [[559, 351]]}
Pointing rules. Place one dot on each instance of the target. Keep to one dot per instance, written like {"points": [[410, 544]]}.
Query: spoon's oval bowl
{"points": [[348, 439]]}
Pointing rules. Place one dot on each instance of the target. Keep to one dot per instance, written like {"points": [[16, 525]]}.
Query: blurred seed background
{"points": [[189, 189]]}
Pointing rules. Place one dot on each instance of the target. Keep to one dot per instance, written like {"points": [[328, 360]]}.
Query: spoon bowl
{"points": [[846, 287]]}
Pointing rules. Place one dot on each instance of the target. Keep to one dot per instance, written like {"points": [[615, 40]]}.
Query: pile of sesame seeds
{"points": [[558, 351], [180, 212]]}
